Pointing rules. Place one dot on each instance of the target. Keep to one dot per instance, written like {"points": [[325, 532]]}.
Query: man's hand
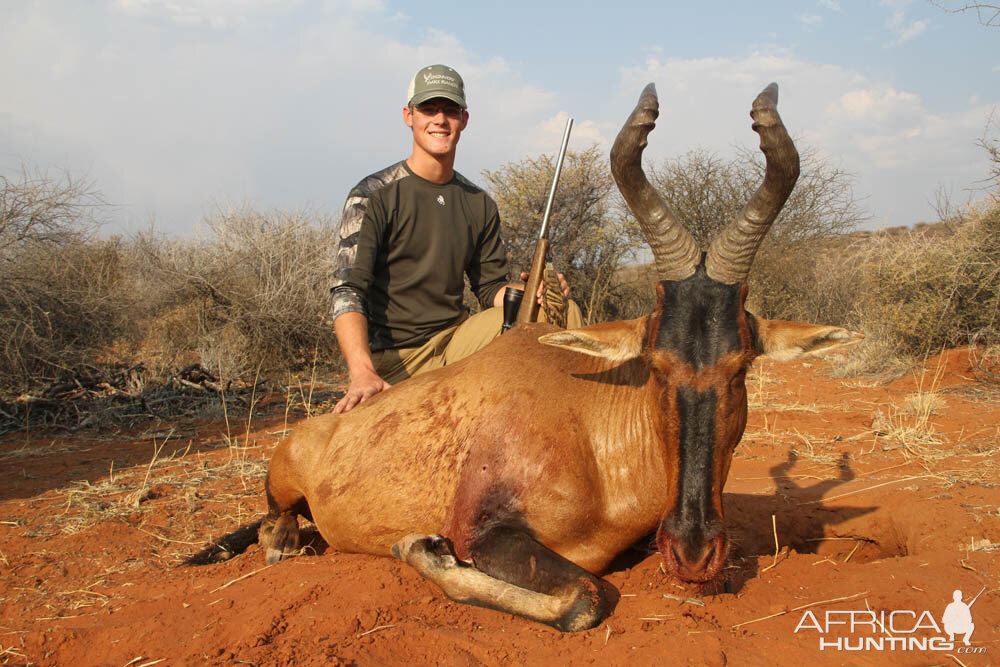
{"points": [[352, 335], [362, 387], [563, 285]]}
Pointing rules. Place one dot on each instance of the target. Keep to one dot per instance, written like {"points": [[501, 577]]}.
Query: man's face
{"points": [[437, 125]]}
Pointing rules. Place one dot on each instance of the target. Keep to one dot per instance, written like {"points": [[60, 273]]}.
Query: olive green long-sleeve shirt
{"points": [[405, 244]]}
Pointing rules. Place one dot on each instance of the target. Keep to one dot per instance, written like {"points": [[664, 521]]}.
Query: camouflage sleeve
{"points": [[347, 299], [350, 298]]}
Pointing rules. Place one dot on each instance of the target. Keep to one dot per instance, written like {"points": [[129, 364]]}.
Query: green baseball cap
{"points": [[437, 81]]}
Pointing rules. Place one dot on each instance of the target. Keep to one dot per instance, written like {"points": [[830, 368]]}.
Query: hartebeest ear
{"points": [[783, 341], [615, 341]]}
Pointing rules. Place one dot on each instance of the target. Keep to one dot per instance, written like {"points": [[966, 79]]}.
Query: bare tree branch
{"points": [[988, 15], [992, 148], [39, 209]]}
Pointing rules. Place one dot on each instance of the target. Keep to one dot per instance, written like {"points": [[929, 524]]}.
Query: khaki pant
{"points": [[452, 344]]}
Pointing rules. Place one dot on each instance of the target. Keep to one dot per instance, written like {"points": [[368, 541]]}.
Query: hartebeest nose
{"points": [[694, 555]]}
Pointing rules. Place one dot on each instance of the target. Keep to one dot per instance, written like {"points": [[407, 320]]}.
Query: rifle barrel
{"points": [[555, 179]]}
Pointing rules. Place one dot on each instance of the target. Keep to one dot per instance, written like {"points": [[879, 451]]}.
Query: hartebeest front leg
{"points": [[573, 600], [279, 530]]}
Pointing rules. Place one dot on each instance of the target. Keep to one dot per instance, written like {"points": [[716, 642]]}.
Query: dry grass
{"points": [[806, 449], [911, 431], [920, 292], [761, 395], [174, 480], [253, 294], [759, 387], [908, 292], [62, 298], [877, 358], [29, 450], [910, 425], [982, 544], [923, 405]]}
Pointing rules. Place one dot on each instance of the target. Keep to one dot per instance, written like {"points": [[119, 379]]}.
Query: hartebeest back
{"points": [[548, 453]]}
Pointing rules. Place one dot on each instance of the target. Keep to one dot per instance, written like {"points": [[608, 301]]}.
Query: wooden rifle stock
{"points": [[529, 305], [528, 312]]}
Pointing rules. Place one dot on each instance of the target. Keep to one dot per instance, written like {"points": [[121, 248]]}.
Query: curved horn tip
{"points": [[648, 98], [770, 92]]}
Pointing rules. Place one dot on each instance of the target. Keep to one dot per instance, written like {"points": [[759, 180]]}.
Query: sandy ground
{"points": [[880, 496]]}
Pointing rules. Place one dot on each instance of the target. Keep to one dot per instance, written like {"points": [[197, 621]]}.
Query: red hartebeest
{"points": [[549, 452]]}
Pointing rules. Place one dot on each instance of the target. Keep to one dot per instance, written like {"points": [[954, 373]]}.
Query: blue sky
{"points": [[176, 107]]}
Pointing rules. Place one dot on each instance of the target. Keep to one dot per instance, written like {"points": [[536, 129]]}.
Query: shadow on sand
{"points": [[801, 519]]}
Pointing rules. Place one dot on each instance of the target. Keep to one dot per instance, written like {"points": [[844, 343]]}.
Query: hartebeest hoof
{"points": [[279, 537], [425, 552]]}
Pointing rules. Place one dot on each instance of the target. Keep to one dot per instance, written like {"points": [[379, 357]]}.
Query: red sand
{"points": [[89, 576]]}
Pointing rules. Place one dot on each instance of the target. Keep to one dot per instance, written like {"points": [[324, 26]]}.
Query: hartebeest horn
{"points": [[732, 252], [674, 249]]}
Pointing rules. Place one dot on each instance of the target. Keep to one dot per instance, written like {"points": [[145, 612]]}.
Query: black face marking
{"points": [[700, 323], [693, 512], [758, 345], [700, 319]]}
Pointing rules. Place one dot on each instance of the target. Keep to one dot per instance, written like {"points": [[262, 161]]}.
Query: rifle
{"points": [[527, 310]]}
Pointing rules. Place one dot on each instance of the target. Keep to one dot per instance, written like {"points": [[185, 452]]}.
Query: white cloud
{"points": [[585, 133], [224, 14], [170, 105], [832, 5], [810, 21], [271, 109], [909, 31], [902, 29], [216, 14], [879, 105], [165, 123]]}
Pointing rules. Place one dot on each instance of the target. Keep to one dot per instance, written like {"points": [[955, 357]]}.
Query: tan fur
{"points": [[417, 457], [783, 341]]}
